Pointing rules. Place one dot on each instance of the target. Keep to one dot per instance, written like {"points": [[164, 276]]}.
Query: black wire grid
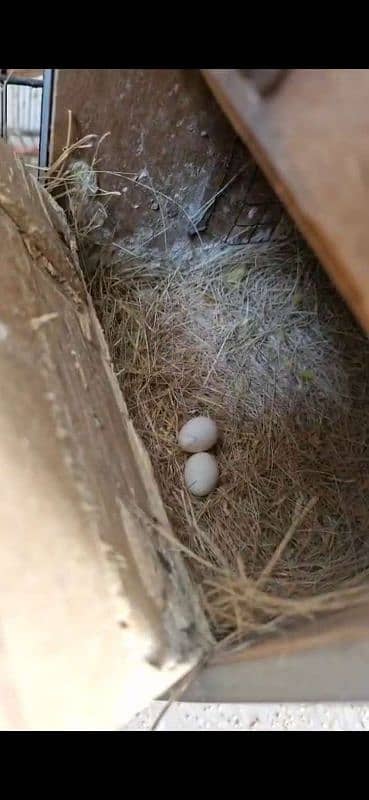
{"points": [[45, 85]]}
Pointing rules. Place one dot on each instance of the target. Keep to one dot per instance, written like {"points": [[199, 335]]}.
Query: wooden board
{"points": [[166, 127], [25, 73], [323, 661], [97, 617], [311, 138]]}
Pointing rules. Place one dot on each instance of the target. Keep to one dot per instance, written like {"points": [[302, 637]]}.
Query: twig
{"points": [[298, 520]]}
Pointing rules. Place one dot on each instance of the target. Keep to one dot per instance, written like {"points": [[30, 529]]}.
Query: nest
{"points": [[259, 340], [263, 344]]}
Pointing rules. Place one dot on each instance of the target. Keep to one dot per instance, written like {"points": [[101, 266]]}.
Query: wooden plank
{"points": [[25, 73], [166, 126], [322, 661], [311, 138], [97, 614]]}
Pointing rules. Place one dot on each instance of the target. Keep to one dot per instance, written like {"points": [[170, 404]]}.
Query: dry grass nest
{"points": [[259, 340]]}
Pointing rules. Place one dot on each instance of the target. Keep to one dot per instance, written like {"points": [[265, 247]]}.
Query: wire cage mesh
{"points": [[25, 113]]}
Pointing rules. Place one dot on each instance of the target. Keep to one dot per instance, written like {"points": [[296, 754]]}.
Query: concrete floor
{"points": [[254, 717]]}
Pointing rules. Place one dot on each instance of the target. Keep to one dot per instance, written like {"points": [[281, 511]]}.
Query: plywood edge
{"points": [[327, 660], [310, 139], [92, 625]]}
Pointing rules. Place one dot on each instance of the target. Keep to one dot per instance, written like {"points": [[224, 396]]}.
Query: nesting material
{"points": [[260, 341]]}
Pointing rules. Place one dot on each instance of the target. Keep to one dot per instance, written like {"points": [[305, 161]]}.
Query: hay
{"points": [[262, 343], [258, 339]]}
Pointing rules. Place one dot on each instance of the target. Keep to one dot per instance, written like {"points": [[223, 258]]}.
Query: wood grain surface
{"points": [[311, 138], [96, 615]]}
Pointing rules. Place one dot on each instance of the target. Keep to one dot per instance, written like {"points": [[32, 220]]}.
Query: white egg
{"points": [[198, 434], [201, 474]]}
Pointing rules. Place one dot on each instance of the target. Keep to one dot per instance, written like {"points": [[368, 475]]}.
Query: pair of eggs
{"points": [[201, 470]]}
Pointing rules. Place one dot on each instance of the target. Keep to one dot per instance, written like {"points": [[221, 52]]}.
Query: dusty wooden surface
{"points": [[25, 73], [94, 622], [327, 660], [167, 134], [311, 137]]}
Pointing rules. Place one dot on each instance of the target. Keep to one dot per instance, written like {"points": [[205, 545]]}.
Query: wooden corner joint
{"points": [[265, 81]]}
